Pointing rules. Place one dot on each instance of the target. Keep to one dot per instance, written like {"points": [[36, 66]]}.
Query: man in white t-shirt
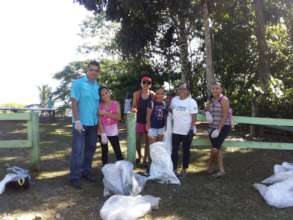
{"points": [[184, 110]]}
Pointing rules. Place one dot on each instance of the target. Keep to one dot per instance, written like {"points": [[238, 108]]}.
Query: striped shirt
{"points": [[217, 113]]}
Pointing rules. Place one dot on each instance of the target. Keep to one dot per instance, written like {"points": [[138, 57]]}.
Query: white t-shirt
{"points": [[182, 110]]}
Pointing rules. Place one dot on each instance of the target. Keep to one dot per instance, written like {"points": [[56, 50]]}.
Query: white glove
{"points": [[104, 138], [209, 117], [78, 126], [194, 129], [215, 133]]}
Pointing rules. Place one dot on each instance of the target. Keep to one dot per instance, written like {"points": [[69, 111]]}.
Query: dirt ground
{"points": [[199, 197]]}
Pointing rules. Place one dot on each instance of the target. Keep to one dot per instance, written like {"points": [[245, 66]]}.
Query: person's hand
{"points": [[215, 133], [134, 110], [194, 129], [102, 113], [209, 117], [78, 126], [148, 126]]}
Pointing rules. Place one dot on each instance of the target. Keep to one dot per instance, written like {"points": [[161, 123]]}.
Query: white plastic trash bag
{"points": [[161, 168], [120, 179], [168, 134], [120, 207], [18, 175], [277, 190]]}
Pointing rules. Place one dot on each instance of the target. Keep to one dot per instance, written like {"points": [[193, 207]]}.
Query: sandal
{"points": [[182, 174], [137, 161], [211, 170], [219, 174]]}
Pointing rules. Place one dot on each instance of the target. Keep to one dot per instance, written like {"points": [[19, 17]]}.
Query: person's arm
{"points": [[225, 107], [74, 106], [134, 102], [193, 122], [207, 105], [171, 105], [100, 128], [148, 117], [194, 111], [75, 96]]}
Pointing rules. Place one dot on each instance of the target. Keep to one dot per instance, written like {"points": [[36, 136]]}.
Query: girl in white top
{"points": [[184, 110]]}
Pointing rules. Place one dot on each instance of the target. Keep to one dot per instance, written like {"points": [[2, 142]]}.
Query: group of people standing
{"points": [[96, 116]]}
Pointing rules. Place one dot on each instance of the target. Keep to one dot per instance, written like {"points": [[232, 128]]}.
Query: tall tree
{"points": [[141, 22], [208, 47], [44, 93], [264, 71]]}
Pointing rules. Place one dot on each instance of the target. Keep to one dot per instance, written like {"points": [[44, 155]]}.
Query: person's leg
{"points": [[138, 147], [152, 136], [218, 144], [213, 154], [114, 140], [221, 162], [89, 150], [212, 160], [104, 151], [176, 139], [160, 134], [146, 149], [186, 153], [78, 141]]}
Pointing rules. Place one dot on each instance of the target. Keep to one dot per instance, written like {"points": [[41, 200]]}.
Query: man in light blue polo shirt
{"points": [[85, 105]]}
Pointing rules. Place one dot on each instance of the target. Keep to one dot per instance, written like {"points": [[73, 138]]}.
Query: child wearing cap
{"points": [[141, 99]]}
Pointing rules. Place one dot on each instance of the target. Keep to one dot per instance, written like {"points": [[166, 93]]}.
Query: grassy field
{"points": [[199, 197]]}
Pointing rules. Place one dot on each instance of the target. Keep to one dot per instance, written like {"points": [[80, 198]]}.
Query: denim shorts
{"points": [[154, 132]]}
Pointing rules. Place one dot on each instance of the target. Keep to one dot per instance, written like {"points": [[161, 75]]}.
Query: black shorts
{"points": [[217, 142]]}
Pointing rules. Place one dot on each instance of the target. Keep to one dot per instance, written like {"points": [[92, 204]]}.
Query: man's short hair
{"points": [[93, 63]]}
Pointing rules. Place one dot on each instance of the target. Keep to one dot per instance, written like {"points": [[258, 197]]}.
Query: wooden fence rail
{"points": [[200, 141], [32, 141]]}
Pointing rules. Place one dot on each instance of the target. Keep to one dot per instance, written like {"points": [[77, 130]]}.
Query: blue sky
{"points": [[38, 38]]}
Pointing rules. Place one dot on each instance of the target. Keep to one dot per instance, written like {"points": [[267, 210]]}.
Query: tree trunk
{"points": [[253, 114], [208, 48], [186, 72], [289, 24], [264, 73]]}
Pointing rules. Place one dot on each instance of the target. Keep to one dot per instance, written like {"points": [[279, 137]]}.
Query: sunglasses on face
{"points": [[94, 70], [146, 82]]}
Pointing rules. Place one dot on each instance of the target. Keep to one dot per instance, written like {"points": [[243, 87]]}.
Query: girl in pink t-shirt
{"points": [[110, 114]]}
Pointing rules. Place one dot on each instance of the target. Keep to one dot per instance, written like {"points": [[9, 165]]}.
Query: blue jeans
{"points": [[83, 150]]}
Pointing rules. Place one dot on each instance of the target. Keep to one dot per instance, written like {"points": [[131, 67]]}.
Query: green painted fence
{"points": [[131, 136], [32, 141], [203, 141]]}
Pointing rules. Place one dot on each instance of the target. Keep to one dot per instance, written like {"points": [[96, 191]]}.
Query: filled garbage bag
{"points": [[277, 190], [120, 179], [120, 207], [161, 168], [17, 178]]}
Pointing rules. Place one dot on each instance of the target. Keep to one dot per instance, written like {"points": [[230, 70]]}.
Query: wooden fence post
{"points": [[35, 140], [131, 136]]}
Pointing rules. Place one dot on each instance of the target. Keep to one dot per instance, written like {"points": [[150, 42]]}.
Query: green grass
{"points": [[199, 197]]}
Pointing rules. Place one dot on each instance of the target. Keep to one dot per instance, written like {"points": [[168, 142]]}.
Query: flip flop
{"points": [[219, 174]]}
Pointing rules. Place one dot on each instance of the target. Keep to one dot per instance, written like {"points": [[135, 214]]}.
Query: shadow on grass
{"points": [[199, 197]]}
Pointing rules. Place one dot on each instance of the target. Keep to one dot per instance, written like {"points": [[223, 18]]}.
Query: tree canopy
{"points": [[166, 38]]}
